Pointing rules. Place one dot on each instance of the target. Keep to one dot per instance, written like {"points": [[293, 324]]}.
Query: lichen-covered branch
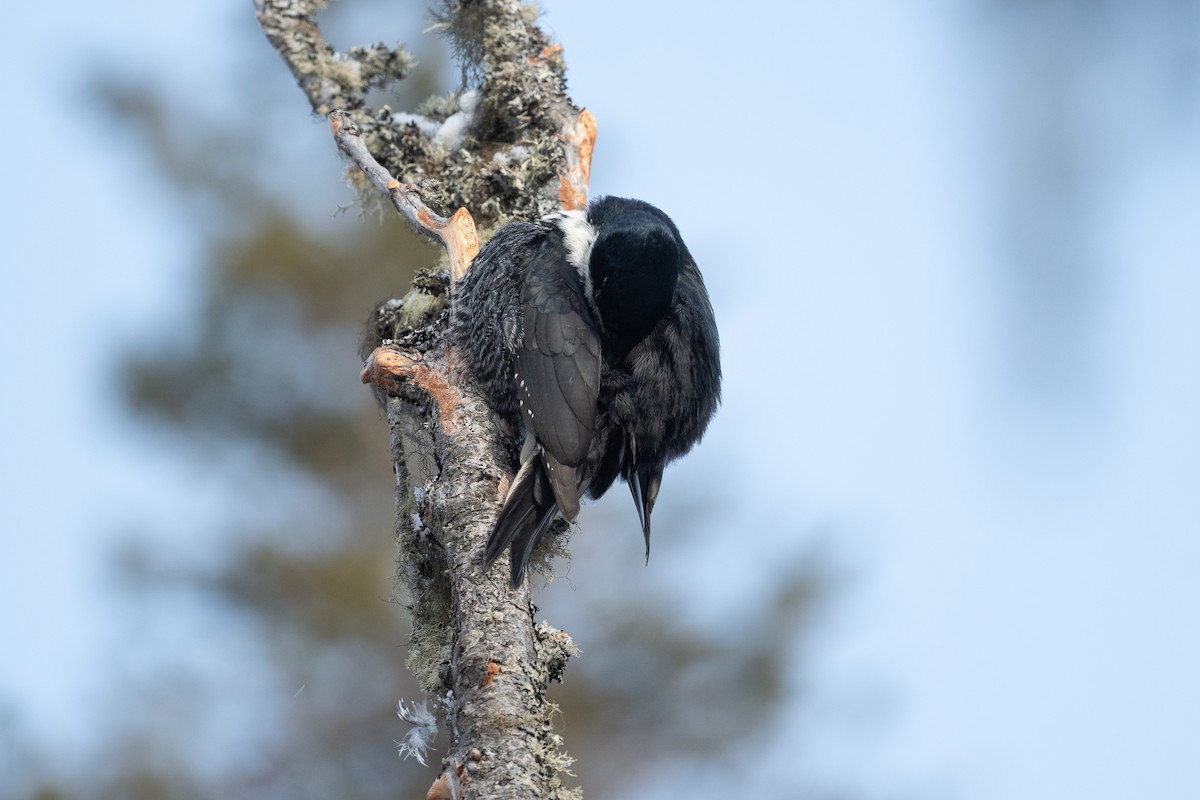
{"points": [[329, 79], [509, 146], [498, 147]]}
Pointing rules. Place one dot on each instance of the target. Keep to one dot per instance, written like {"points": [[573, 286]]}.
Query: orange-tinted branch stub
{"points": [[580, 140], [462, 243], [388, 368]]}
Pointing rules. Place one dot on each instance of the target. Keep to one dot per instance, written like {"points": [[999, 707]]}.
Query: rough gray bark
{"points": [[476, 647]]}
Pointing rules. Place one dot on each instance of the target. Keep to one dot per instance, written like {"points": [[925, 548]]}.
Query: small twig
{"points": [[457, 233]]}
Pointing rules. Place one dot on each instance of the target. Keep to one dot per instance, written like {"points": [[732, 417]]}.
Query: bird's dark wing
{"points": [[555, 352], [557, 365]]}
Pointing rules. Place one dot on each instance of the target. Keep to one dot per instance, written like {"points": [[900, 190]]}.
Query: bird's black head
{"points": [[634, 264]]}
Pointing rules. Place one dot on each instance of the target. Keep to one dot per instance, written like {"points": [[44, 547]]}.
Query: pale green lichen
{"points": [[421, 580]]}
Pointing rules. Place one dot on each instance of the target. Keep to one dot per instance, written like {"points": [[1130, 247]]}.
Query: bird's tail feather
{"points": [[644, 485], [525, 517], [527, 539]]}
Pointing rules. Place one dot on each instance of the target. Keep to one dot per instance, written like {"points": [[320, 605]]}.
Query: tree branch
{"points": [[329, 79], [526, 152], [457, 233]]}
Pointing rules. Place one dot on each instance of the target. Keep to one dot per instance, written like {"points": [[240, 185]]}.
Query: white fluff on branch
{"points": [[424, 727], [454, 129]]}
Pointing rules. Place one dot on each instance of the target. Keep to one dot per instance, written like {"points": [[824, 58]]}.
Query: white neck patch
{"points": [[578, 235]]}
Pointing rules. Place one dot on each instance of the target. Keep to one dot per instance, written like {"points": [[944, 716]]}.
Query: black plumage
{"points": [[595, 332]]}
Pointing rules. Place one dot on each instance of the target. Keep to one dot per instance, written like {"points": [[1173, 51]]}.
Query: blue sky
{"points": [[973, 363]]}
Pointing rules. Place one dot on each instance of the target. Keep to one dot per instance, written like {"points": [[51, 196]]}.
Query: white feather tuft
{"points": [[424, 728]]}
